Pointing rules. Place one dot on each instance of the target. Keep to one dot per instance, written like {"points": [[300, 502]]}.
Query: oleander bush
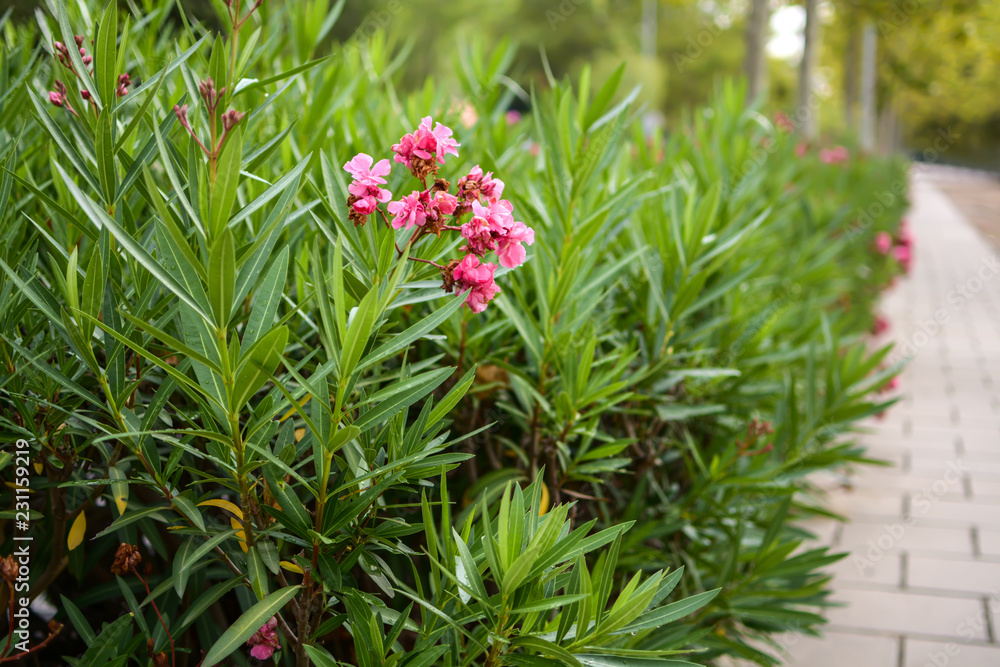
{"points": [[317, 365]]}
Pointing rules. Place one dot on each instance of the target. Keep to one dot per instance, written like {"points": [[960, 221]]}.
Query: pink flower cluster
{"points": [[265, 642], [419, 150], [433, 209], [366, 191], [835, 155], [903, 250]]}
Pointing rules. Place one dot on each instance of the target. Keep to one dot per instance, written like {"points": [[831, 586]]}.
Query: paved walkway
{"points": [[922, 584]]}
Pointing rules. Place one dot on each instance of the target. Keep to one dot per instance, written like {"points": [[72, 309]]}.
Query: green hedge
{"points": [[241, 405]]}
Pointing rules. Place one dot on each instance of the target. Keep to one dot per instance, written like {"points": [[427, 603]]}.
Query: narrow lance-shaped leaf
{"points": [[222, 277], [250, 622]]}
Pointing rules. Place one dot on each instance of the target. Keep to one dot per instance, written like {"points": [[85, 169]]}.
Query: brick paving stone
{"points": [[908, 613], [868, 566], [920, 653], [953, 575], [843, 649], [870, 539]]}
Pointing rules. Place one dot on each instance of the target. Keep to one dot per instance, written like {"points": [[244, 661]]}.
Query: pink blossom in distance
{"points": [[883, 242], [265, 641], [478, 280], [834, 155], [903, 256]]}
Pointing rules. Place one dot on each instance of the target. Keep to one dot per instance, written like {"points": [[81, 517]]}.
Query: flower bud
{"points": [[55, 98], [181, 113], [231, 119]]}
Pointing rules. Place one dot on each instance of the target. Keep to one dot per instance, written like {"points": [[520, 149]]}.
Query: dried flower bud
{"points": [[127, 559], [9, 568], [448, 275], [440, 185], [231, 119]]}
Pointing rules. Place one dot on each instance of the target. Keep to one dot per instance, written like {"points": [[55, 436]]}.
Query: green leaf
{"points": [[222, 277], [191, 557], [105, 148], [105, 58], [246, 625], [320, 657], [227, 181], [101, 218], [79, 621], [261, 361], [266, 300], [93, 289], [107, 643], [421, 328], [357, 334], [670, 612]]}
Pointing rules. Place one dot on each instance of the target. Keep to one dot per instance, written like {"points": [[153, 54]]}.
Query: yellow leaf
{"points": [[290, 566], [299, 434], [122, 503], [38, 467], [241, 534], [543, 505], [77, 531], [224, 504], [292, 411]]}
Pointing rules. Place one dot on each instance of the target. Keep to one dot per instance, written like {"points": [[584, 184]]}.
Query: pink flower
{"points": [[478, 183], [883, 242], [512, 116], [442, 204], [835, 155], [783, 122], [801, 149], [511, 253], [881, 325], [479, 235], [497, 214], [367, 180], [903, 256], [360, 167], [426, 144], [409, 211], [478, 280], [265, 641]]}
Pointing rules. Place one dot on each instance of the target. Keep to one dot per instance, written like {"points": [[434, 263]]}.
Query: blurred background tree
{"points": [[936, 61]]}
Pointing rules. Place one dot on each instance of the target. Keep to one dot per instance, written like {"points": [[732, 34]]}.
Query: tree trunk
{"points": [[868, 76], [806, 70], [851, 81], [756, 40]]}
